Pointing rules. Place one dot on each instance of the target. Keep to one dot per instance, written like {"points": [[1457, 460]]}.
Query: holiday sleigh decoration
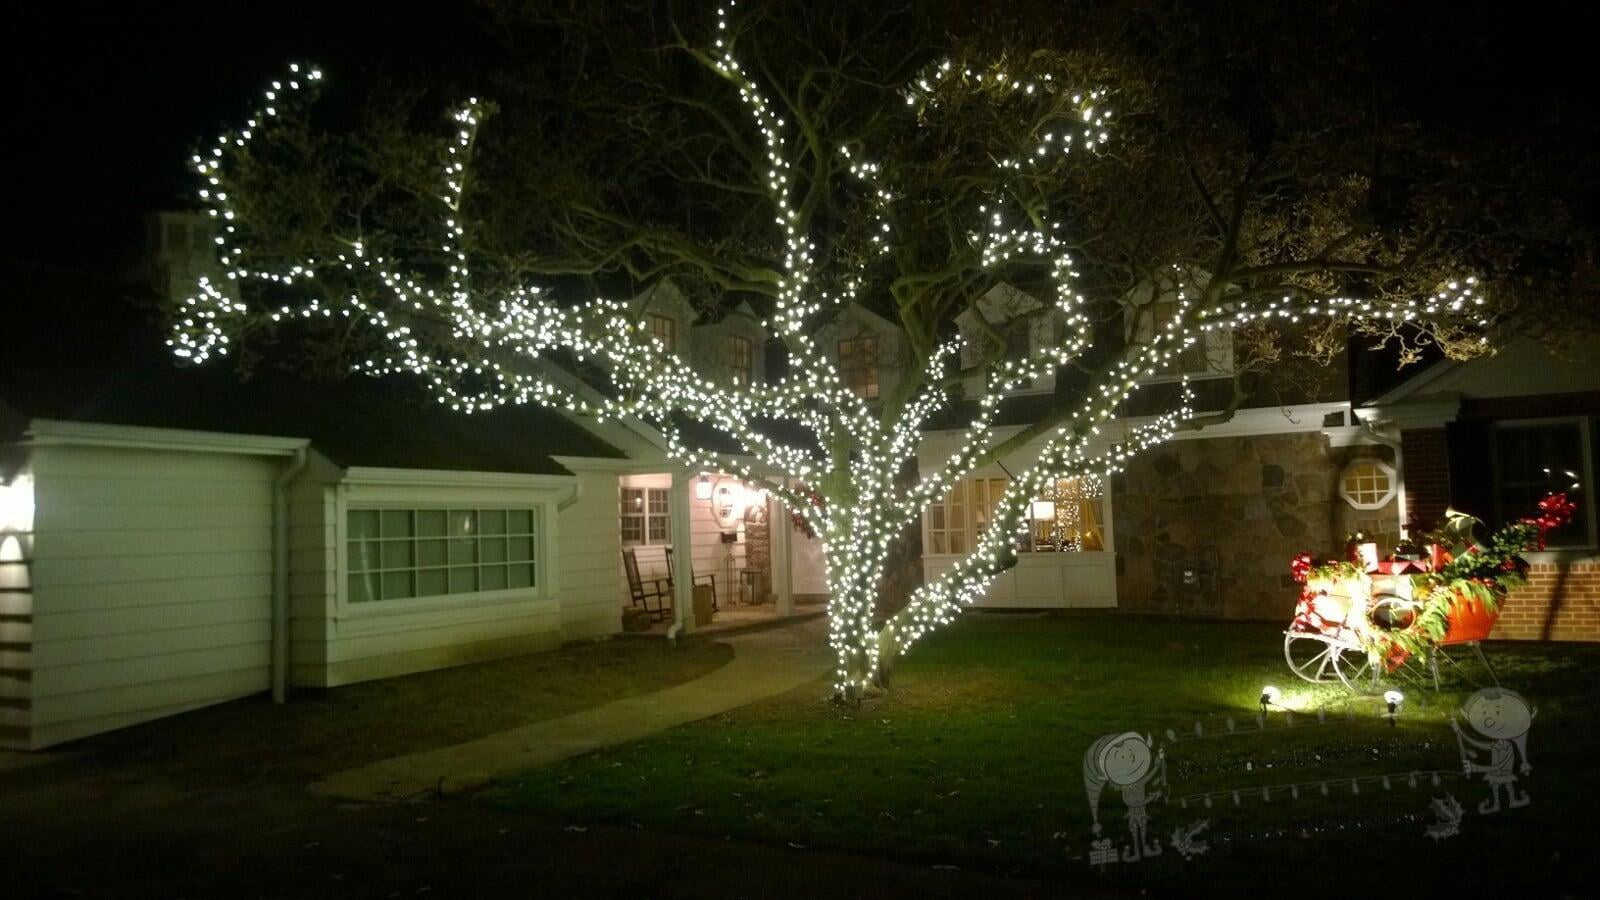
{"points": [[1360, 619]]}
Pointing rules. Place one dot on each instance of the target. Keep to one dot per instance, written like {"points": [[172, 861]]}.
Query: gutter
{"points": [[577, 492], [280, 572], [1399, 470]]}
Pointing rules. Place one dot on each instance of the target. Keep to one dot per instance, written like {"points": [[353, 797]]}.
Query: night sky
{"points": [[114, 96]]}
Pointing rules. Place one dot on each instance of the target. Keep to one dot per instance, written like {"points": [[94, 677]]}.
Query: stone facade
{"points": [[1257, 501]]}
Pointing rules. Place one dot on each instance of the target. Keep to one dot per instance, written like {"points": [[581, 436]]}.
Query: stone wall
{"points": [[1257, 500]]}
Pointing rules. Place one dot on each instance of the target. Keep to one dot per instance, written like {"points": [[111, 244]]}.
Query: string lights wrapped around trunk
{"points": [[479, 348]]}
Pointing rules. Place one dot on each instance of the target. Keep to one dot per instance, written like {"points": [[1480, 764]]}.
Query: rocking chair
{"points": [[644, 590], [693, 578]]}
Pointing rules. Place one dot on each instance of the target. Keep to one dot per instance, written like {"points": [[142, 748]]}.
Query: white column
{"points": [[682, 553], [780, 533]]}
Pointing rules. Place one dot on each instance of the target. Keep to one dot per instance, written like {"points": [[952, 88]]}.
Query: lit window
{"points": [[1535, 459], [646, 516], [395, 554], [664, 329], [858, 366], [1068, 519], [741, 359], [1367, 484]]}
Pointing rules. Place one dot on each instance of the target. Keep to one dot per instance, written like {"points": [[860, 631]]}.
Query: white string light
{"points": [[475, 347]]}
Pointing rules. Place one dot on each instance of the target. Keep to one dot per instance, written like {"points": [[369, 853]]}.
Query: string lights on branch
{"points": [[479, 344]]}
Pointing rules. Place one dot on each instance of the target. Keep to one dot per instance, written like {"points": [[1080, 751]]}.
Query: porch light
{"points": [[1044, 510], [702, 488], [16, 504]]}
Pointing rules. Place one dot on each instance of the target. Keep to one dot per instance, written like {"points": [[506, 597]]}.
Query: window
{"points": [[1367, 484], [1533, 459], [741, 359], [1211, 354], [645, 516], [665, 330], [858, 366], [395, 554], [956, 522], [1069, 519]]}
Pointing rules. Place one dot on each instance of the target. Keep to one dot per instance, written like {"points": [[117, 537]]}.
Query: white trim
{"points": [[546, 585], [611, 464], [1260, 420], [377, 609], [1433, 412], [56, 432], [363, 475]]}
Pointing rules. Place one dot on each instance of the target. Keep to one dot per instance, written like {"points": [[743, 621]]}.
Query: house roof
{"points": [[1520, 366], [79, 348]]}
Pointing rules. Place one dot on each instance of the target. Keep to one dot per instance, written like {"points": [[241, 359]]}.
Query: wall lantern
{"points": [[702, 488]]}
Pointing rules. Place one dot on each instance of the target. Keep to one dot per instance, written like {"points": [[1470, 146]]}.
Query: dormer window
{"points": [[1209, 356], [664, 329], [858, 366], [741, 359]]}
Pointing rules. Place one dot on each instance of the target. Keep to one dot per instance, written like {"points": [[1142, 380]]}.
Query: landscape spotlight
{"points": [[1393, 699], [1269, 697]]}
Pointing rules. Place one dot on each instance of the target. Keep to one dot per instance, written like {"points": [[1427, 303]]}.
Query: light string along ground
{"points": [[479, 348]]}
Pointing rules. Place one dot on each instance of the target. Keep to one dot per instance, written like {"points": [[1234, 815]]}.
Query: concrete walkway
{"points": [[765, 663]]}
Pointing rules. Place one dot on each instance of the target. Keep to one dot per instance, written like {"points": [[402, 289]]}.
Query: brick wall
{"points": [[1426, 458], [1560, 603]]}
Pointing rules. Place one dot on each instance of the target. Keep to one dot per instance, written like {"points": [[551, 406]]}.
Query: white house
{"points": [[170, 538]]}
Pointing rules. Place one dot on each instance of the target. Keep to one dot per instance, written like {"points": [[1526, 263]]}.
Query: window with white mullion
{"points": [[397, 554], [646, 516]]}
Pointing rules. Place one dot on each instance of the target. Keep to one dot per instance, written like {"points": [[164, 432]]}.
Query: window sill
{"points": [[378, 609]]}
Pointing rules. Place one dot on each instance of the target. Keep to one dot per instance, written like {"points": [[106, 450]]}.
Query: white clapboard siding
{"points": [[592, 590], [333, 642], [313, 577], [152, 584], [711, 556], [365, 648]]}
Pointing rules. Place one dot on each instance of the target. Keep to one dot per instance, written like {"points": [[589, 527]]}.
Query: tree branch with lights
{"points": [[774, 165]]}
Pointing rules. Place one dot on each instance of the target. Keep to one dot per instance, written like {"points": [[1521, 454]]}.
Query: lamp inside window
{"points": [[1068, 519]]}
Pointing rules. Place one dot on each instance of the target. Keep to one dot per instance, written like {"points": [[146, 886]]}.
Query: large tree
{"points": [[809, 158]]}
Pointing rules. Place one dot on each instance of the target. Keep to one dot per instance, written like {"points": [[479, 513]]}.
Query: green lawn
{"points": [[976, 761]]}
